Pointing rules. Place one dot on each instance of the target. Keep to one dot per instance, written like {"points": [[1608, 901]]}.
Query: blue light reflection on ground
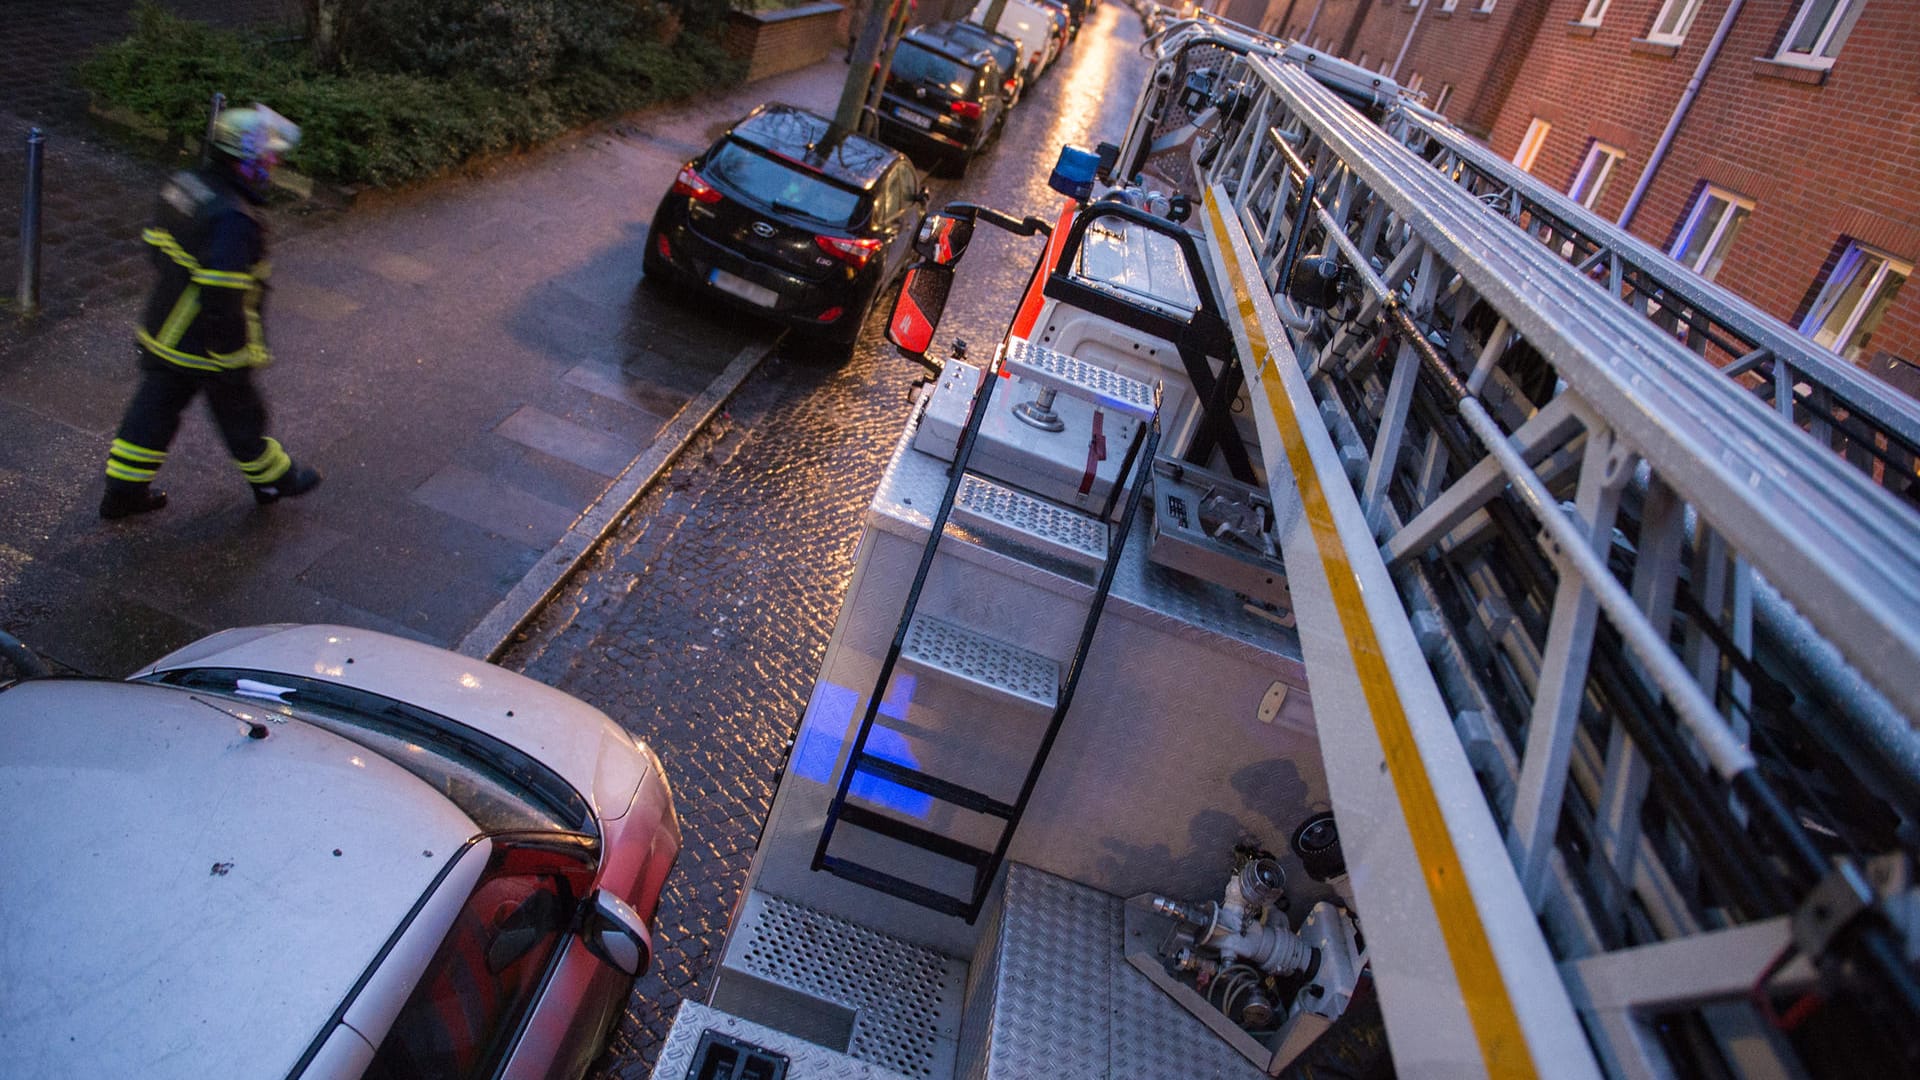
{"points": [[833, 718]]}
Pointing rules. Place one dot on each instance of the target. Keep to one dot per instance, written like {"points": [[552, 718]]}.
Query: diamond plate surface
{"points": [[1070, 375], [906, 997], [1058, 945], [1064, 532], [805, 1061], [937, 645]]}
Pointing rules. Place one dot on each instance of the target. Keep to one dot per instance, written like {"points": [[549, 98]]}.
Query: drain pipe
{"points": [[1679, 112], [1415, 28]]}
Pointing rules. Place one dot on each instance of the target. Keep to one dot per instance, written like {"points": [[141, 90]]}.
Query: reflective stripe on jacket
{"points": [[210, 256]]}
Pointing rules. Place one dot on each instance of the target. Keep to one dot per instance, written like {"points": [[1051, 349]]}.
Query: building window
{"points": [[1440, 97], [1486, 7], [1530, 145], [1362, 61], [1596, 9], [1594, 173], [1413, 84], [1854, 301], [1708, 234], [1449, 5], [1670, 26], [1818, 29]]}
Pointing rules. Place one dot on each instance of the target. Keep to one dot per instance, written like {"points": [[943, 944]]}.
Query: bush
{"points": [[381, 124]]}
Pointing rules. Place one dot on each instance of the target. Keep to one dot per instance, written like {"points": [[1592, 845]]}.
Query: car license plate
{"points": [[744, 289], [914, 118]]}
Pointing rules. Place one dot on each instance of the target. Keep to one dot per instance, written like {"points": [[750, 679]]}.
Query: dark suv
{"points": [[784, 217], [944, 99], [1005, 50]]}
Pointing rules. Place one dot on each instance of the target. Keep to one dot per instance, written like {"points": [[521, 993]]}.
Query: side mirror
{"points": [[943, 238], [614, 932], [917, 308]]}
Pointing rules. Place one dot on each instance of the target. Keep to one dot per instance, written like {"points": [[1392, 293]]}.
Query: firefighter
{"points": [[201, 332]]}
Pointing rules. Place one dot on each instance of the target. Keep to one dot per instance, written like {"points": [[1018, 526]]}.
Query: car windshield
{"points": [[498, 786], [783, 185], [923, 66]]}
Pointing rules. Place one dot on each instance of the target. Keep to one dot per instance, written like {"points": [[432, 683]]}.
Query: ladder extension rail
{"points": [[1882, 425], [1483, 396]]}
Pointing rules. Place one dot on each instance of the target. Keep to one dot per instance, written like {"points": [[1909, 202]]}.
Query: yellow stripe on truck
{"points": [[1502, 1045]]}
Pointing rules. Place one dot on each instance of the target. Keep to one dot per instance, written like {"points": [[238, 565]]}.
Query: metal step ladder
{"points": [[1016, 677]]}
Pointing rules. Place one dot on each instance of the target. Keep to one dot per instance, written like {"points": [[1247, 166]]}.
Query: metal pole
{"points": [[1394, 74], [30, 225], [213, 117], [1659, 154]]}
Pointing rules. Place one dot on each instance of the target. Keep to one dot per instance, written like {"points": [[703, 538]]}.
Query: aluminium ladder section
{"points": [[1873, 424], [1046, 689], [1707, 466]]}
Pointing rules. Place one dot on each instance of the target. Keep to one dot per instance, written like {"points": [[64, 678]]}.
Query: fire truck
{"points": [[1368, 616]]}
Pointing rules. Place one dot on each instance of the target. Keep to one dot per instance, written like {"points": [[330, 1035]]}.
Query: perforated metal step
{"points": [[1028, 519], [906, 999], [1107, 389], [940, 647]]}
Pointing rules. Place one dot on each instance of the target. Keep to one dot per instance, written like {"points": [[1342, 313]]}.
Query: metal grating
{"points": [[1061, 531], [1076, 377], [939, 646], [805, 1061], [904, 996]]}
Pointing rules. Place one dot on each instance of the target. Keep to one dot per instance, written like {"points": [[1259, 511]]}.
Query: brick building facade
{"points": [[1793, 179]]}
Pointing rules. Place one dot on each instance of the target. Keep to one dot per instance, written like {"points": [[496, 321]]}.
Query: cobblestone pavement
{"points": [[702, 624], [98, 184]]}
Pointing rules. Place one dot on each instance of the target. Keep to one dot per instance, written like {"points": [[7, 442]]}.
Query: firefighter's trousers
{"points": [[153, 418]]}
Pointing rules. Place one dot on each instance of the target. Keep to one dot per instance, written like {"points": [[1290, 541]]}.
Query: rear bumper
{"points": [[924, 143], [795, 301]]}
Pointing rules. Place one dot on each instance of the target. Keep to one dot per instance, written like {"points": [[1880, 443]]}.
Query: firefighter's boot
{"points": [[295, 482], [125, 498]]}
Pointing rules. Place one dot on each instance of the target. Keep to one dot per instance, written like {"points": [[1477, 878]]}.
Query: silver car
{"points": [[320, 852]]}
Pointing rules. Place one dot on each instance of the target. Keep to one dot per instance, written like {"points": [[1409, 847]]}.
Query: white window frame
{"points": [[1486, 7], [1843, 274], [1362, 62], [1707, 264], [1826, 46], [1587, 186], [1683, 12], [1413, 85], [1531, 142], [1440, 97], [1449, 5], [1596, 10]]}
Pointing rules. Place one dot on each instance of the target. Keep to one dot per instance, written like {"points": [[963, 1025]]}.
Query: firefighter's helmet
{"points": [[254, 134]]}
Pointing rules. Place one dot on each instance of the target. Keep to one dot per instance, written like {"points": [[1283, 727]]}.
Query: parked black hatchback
{"points": [[787, 218], [944, 99]]}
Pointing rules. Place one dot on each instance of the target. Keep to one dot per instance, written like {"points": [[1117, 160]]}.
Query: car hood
{"points": [[160, 845], [577, 741]]}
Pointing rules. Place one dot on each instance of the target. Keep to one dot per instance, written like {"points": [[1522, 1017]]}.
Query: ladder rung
{"points": [[938, 646], [914, 836], [944, 790], [900, 887], [1075, 377], [1004, 511]]}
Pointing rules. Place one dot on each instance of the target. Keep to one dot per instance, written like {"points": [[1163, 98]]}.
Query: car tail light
{"points": [[695, 186], [853, 251], [968, 109], [1011, 86], [830, 314], [666, 249]]}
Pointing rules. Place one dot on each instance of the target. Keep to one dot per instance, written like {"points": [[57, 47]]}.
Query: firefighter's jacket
{"points": [[210, 251]]}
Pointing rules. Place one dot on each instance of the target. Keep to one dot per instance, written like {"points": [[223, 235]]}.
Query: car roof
{"points": [[809, 140], [938, 41], [184, 899], [975, 32]]}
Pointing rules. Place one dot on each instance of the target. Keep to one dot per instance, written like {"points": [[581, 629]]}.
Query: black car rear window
{"points": [[915, 64], [785, 187]]}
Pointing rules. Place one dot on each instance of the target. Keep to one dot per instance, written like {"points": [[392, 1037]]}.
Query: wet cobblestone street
{"points": [[702, 624]]}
